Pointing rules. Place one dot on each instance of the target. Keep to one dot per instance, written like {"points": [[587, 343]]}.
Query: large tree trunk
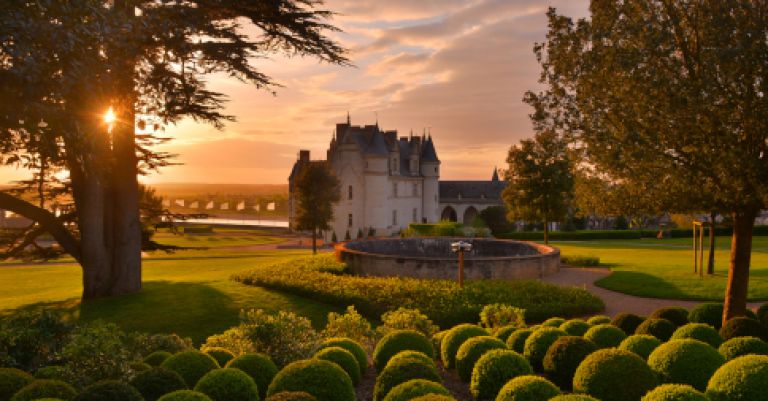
{"points": [[738, 272]]}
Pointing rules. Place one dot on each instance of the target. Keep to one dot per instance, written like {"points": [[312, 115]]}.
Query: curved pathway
{"points": [[616, 302]]}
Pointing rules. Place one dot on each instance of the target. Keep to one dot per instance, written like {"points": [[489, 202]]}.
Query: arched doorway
{"points": [[470, 215], [449, 214]]}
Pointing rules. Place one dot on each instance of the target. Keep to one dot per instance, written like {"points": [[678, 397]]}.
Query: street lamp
{"points": [[460, 247]]}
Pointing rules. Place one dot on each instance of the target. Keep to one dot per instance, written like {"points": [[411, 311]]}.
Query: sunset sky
{"points": [[456, 67]]}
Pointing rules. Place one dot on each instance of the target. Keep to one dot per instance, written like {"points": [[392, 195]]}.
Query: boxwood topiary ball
{"points": [[111, 390], [742, 379], [573, 397], [350, 345], [740, 346], [627, 322], [471, 351], [261, 369], [685, 362], [503, 333], [675, 392], [605, 335], [400, 340], [710, 313], [157, 357], [575, 327], [344, 359], [45, 388], [516, 340], [528, 388], [190, 365], [614, 375], [640, 344], [453, 340], [292, 396], [185, 395], [415, 388], [397, 373], [538, 343], [659, 328], [744, 327], [221, 355], [419, 356], [564, 356], [598, 319], [228, 384], [11, 381], [326, 381], [698, 331], [50, 372], [434, 397], [494, 369], [677, 315], [156, 382], [553, 322]]}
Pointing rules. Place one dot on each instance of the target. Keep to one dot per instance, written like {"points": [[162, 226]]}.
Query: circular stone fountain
{"points": [[432, 258]]}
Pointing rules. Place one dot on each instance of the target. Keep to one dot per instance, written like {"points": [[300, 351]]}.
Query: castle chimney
{"points": [[304, 156]]}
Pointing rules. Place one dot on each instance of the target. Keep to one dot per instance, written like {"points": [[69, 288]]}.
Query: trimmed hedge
{"points": [[575, 327], [627, 322], [415, 388], [397, 341], [553, 322], [111, 390], [741, 346], [190, 365], [605, 335], [762, 313], [659, 328], [528, 388], [453, 340], [710, 313], [573, 397], [157, 357], [54, 372], [614, 375], [675, 392], [640, 344], [744, 327], [742, 379], [471, 351], [494, 369], [185, 395], [419, 356], [677, 315], [326, 381], [352, 346], [434, 397], [156, 382], [344, 359], [564, 356], [598, 319], [44, 388], [406, 370], [503, 333], [698, 331], [291, 396], [221, 355], [538, 343], [11, 381], [228, 384], [685, 362], [581, 235], [516, 340], [261, 369]]}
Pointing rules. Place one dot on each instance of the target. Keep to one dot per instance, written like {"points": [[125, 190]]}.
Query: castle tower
{"points": [[430, 170]]}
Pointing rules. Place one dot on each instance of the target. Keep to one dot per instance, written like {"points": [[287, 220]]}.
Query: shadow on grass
{"points": [[641, 284]]}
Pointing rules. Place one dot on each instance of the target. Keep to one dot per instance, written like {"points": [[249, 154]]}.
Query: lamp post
{"points": [[460, 247]]}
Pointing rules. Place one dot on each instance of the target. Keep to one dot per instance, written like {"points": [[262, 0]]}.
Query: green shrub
{"points": [[614, 375], [686, 362], [190, 365], [350, 325], [185, 395], [407, 319], [503, 333], [156, 358], [261, 369], [453, 340], [11, 381], [96, 351], [741, 346], [156, 382], [344, 359], [698, 331], [573, 397], [580, 260], [292, 396], [228, 384], [605, 335], [553, 322], [659, 328], [44, 388], [138, 367], [583, 235], [675, 392], [326, 381], [494, 316], [640, 344], [627, 322], [575, 327], [434, 397], [55, 372], [471, 351], [437, 340], [516, 340], [762, 313], [145, 344], [677, 315], [563, 357], [744, 327], [443, 301], [221, 355], [710, 313], [397, 341], [407, 369], [742, 379], [494, 369], [29, 340], [528, 388], [420, 356], [538, 343], [350, 345], [415, 388], [599, 319], [111, 390]]}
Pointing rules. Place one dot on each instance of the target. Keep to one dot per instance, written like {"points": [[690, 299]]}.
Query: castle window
{"points": [[415, 189], [394, 217], [415, 215], [349, 220], [350, 193], [394, 189], [435, 169]]}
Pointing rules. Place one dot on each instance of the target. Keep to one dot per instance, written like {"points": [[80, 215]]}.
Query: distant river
{"points": [[240, 222]]}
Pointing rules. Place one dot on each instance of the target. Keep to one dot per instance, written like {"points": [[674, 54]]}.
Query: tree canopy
{"points": [[317, 190]]}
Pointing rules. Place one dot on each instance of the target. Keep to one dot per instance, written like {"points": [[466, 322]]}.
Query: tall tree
{"points": [[317, 190], [670, 94], [540, 180], [64, 63]]}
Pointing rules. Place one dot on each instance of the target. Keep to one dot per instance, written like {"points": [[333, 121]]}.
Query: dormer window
{"points": [[350, 193]]}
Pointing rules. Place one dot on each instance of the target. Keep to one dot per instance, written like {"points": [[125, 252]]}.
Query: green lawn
{"points": [[664, 268]]}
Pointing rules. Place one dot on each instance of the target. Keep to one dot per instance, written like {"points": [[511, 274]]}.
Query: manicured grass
{"points": [[664, 268], [220, 238]]}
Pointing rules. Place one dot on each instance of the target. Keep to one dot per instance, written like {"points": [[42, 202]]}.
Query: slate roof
{"points": [[428, 153], [485, 191]]}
